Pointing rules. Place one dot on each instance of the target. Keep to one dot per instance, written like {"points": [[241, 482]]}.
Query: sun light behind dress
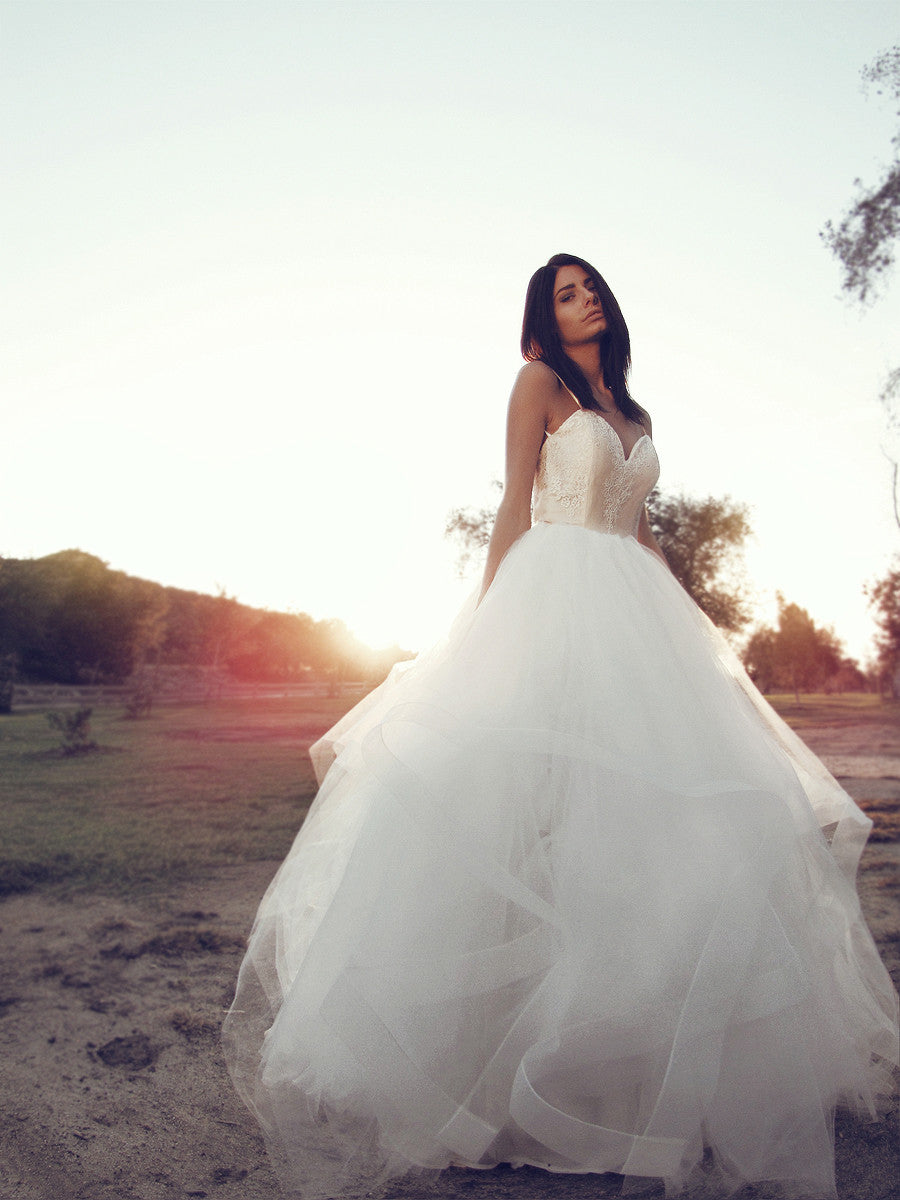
{"points": [[564, 896]]}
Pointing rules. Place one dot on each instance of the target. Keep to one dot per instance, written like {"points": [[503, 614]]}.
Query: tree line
{"points": [[68, 618]]}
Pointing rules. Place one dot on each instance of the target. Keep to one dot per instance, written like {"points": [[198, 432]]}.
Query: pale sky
{"points": [[264, 264]]}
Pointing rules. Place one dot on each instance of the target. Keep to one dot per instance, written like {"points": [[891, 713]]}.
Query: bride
{"points": [[571, 894]]}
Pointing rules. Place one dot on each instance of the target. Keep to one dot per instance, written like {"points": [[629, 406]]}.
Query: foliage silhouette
{"points": [[864, 239], [69, 619], [797, 655], [703, 540], [884, 599]]}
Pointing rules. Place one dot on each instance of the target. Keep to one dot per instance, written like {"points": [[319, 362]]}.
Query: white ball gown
{"points": [[570, 894]]}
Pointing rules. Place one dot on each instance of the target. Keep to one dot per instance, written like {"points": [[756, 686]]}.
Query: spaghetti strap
{"points": [[565, 385]]}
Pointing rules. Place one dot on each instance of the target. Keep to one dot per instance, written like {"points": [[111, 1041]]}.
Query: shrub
{"points": [[7, 681], [141, 697], [75, 727]]}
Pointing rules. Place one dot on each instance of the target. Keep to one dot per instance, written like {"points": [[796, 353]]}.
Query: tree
{"points": [[227, 623], [471, 529], [279, 646], [890, 400], [808, 655], [884, 598], [702, 540], [849, 677], [761, 659], [69, 618], [797, 655], [864, 240]]}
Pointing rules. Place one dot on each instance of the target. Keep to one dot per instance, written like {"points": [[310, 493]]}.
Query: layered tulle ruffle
{"points": [[572, 895]]}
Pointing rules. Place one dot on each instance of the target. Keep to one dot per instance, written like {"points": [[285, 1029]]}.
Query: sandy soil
{"points": [[113, 1084]]}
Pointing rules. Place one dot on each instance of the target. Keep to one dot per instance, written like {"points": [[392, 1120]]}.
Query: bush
{"points": [[140, 699], [7, 681], [75, 727]]}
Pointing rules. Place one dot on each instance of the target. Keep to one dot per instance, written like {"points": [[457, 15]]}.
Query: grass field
{"points": [[187, 788], [846, 708], [193, 787]]}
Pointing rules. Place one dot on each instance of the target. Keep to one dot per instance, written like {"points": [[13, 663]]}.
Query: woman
{"points": [[564, 896]]}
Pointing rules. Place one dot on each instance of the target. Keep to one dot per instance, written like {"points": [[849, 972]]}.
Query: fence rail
{"points": [[49, 695]]}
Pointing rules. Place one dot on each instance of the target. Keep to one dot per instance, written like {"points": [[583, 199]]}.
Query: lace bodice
{"points": [[584, 478]]}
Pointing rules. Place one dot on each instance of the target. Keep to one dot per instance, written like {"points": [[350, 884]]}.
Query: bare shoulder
{"points": [[534, 391], [645, 420], [537, 378]]}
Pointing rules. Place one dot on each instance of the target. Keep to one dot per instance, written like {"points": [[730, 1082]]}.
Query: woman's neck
{"points": [[587, 357]]}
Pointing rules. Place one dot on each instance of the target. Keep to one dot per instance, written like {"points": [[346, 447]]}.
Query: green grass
{"points": [[193, 787], [165, 798], [847, 708]]}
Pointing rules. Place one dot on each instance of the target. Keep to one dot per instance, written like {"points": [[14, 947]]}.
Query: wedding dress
{"points": [[571, 894]]}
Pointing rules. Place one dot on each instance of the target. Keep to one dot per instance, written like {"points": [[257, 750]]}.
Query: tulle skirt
{"points": [[572, 895]]}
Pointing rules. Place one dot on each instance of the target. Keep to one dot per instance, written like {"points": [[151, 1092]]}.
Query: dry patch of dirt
{"points": [[113, 1082]]}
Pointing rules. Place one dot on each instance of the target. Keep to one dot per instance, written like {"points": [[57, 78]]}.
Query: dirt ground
{"points": [[113, 1084]]}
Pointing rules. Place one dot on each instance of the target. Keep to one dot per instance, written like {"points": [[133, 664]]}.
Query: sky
{"points": [[263, 270]]}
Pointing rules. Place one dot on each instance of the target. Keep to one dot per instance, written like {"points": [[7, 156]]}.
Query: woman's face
{"points": [[576, 305]]}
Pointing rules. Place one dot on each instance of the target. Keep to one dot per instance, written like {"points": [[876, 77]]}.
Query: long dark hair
{"points": [[541, 341]]}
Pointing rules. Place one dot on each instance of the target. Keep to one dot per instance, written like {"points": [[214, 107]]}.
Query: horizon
{"points": [[738, 639]]}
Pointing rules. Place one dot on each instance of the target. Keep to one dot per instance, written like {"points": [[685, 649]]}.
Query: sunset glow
{"points": [[266, 263]]}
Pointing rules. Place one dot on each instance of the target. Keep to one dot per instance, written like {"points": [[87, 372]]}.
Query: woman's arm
{"points": [[525, 425]]}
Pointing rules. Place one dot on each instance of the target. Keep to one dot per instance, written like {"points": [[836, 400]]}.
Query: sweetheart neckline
{"points": [[625, 457]]}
